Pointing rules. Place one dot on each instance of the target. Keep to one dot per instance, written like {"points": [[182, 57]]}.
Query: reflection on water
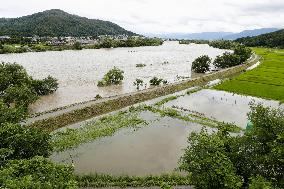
{"points": [[153, 149], [79, 71], [221, 105]]}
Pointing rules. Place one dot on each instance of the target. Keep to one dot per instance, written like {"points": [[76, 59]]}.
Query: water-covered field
{"points": [[78, 72], [149, 138]]}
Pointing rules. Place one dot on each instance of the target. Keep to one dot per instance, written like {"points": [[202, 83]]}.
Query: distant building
{"points": [[5, 37]]}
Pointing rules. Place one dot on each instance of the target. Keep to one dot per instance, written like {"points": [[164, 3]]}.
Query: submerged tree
{"points": [[19, 89], [112, 77], [138, 83], [201, 64], [155, 81]]}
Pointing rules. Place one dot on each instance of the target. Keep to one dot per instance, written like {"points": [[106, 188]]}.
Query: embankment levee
{"points": [[69, 115]]}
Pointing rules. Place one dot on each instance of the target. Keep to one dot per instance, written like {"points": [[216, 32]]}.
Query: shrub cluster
{"points": [[252, 160], [112, 77], [24, 150], [226, 60], [155, 81], [240, 55], [19, 89], [201, 64], [223, 44], [138, 83]]}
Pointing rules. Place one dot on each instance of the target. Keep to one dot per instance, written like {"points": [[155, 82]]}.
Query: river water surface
{"points": [[79, 71]]}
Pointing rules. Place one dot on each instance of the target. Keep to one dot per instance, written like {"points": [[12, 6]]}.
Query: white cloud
{"points": [[164, 16]]}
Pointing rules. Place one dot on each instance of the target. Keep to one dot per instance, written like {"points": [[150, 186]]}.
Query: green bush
{"points": [[21, 96], [260, 183], [206, 160], [77, 46], [140, 65], [11, 115], [12, 74], [24, 142], [112, 77], [46, 86], [156, 81], [19, 168], [243, 52], [35, 173], [222, 44], [201, 64], [138, 83], [17, 87], [220, 160], [227, 60]]}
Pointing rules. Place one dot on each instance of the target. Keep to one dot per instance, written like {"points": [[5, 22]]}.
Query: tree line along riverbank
{"points": [[20, 45]]}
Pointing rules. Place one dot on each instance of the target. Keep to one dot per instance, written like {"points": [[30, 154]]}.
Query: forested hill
{"points": [[56, 23], [274, 39]]}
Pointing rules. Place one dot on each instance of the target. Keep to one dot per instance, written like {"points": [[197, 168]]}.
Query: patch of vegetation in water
{"points": [[265, 81], [165, 100], [101, 180], [105, 126], [112, 77], [189, 92], [140, 65], [191, 117]]}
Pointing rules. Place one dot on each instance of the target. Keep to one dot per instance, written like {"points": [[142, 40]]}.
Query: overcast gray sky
{"points": [[163, 16]]}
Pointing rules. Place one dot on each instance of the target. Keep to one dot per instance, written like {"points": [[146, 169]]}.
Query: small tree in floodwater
{"points": [[155, 81], [201, 64], [138, 83], [112, 77]]}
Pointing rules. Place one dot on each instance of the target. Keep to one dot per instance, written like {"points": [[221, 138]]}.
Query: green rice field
{"points": [[265, 81]]}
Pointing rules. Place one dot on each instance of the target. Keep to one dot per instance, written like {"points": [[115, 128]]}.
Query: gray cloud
{"points": [[158, 16]]}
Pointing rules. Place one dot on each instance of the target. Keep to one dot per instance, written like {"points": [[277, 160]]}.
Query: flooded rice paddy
{"points": [[155, 148], [223, 106], [79, 71]]}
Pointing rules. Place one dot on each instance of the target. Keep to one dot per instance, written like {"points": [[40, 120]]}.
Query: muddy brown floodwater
{"points": [[152, 149], [156, 148], [79, 71], [220, 105]]}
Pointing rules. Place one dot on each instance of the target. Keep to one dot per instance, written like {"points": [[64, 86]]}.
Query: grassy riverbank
{"points": [[265, 81], [7, 48], [101, 180]]}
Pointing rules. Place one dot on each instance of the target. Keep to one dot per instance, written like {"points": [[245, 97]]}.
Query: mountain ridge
{"points": [[215, 35], [250, 33], [273, 39], [56, 22]]}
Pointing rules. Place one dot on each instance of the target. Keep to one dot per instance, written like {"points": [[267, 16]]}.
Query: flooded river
{"points": [[79, 71]]}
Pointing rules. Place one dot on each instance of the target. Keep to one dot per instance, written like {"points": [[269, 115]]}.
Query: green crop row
{"points": [[265, 81], [100, 180]]}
